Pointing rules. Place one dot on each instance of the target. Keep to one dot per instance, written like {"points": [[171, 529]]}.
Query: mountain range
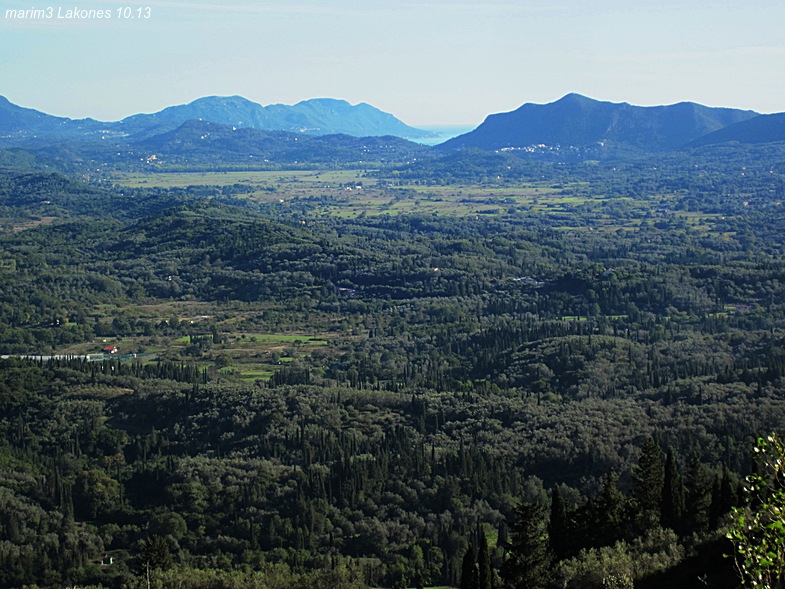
{"points": [[319, 116], [215, 131], [576, 120]]}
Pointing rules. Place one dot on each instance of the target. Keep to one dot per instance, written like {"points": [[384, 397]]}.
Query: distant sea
{"points": [[443, 133]]}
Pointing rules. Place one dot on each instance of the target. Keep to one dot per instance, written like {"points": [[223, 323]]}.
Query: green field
{"points": [[350, 194]]}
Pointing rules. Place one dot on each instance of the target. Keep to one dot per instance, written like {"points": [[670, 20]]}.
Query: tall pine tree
{"points": [[672, 495], [528, 563], [606, 518], [698, 497], [648, 477]]}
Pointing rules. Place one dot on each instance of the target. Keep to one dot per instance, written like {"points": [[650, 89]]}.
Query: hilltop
{"points": [[578, 121]]}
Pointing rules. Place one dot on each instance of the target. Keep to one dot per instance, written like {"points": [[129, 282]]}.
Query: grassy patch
{"points": [[253, 375]]}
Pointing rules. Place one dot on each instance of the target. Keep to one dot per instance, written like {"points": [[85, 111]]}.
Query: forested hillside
{"points": [[478, 371]]}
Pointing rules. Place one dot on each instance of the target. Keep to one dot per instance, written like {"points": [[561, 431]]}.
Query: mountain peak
{"points": [[325, 102], [575, 97], [579, 121], [234, 99]]}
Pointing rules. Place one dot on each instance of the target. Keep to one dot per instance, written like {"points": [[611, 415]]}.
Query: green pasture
{"points": [[351, 194], [254, 375], [279, 338], [260, 179]]}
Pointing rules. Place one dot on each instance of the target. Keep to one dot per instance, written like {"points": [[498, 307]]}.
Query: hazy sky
{"points": [[427, 62]]}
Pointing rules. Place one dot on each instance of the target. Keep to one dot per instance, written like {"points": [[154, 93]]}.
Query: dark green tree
{"points": [[605, 518], [672, 494], [469, 576], [558, 532], [723, 497], [648, 478], [484, 563], [529, 560], [154, 554], [698, 497]]}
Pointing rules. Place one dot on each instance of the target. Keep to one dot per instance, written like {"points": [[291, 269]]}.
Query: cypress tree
{"points": [[648, 479], [672, 494], [557, 528], [529, 562], [698, 497], [469, 577], [607, 520], [504, 536], [722, 497], [484, 563]]}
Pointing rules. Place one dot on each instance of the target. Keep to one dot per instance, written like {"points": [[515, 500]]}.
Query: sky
{"points": [[430, 62]]}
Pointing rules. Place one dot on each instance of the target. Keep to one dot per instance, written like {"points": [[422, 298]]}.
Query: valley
{"points": [[335, 373]]}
